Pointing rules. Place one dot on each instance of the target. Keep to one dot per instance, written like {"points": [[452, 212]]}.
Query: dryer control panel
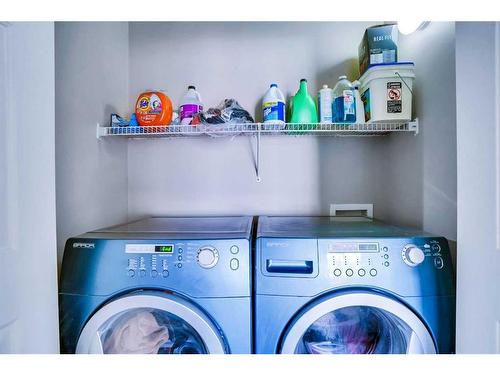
{"points": [[356, 258]]}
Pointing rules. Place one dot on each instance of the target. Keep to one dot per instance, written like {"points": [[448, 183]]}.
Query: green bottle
{"points": [[303, 107]]}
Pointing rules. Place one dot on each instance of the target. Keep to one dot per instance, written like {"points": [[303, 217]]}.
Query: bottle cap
{"points": [[191, 87], [273, 85], [303, 80], [342, 77], [325, 86]]}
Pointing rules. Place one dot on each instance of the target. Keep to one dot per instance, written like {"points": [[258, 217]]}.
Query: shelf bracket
{"points": [[413, 126], [100, 132], [257, 163]]}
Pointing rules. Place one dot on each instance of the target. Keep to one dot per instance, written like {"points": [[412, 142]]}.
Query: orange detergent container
{"points": [[153, 108]]}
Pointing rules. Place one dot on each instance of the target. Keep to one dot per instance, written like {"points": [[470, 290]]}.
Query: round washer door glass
{"points": [[358, 324], [149, 324]]}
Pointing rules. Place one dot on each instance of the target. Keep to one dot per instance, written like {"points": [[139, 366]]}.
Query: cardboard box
{"points": [[378, 46]]}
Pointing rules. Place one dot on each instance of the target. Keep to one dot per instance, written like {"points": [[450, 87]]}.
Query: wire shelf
{"points": [[222, 130]]}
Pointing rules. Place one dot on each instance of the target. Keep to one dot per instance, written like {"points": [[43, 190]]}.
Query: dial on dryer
{"points": [[207, 256], [413, 255]]}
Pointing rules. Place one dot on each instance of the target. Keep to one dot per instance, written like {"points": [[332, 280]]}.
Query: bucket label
{"points": [[273, 110], [394, 97], [365, 97]]}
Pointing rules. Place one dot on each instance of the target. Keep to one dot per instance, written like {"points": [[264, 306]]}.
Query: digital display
{"points": [[353, 247], [164, 249]]}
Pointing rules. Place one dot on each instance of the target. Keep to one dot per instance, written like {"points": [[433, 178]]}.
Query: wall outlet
{"points": [[356, 209]]}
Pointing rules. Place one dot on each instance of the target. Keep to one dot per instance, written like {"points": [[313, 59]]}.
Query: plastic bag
{"points": [[227, 118]]}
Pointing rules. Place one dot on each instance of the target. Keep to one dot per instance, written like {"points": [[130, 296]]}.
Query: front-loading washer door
{"points": [[150, 324], [358, 323]]}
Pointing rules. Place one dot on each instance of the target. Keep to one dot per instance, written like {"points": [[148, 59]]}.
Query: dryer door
{"points": [[150, 324], [358, 323]]}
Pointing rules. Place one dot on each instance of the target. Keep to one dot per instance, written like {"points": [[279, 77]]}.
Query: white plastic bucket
{"points": [[386, 91]]}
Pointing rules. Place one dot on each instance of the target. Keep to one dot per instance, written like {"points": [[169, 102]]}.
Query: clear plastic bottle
{"points": [[273, 108], [360, 107], [344, 104], [325, 101], [190, 105]]}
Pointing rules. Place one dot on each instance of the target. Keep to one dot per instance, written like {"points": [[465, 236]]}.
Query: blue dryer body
{"points": [[187, 280], [345, 285]]}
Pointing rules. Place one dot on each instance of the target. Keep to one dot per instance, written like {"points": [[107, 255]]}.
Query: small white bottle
{"points": [[360, 107], [273, 108], [325, 101], [190, 105]]}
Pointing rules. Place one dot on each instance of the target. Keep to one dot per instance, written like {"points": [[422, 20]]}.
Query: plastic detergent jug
{"points": [[360, 108], [303, 108], [153, 108], [273, 107], [344, 104], [325, 101], [190, 105]]}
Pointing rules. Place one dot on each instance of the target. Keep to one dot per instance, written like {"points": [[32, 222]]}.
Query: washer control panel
{"points": [[161, 260]]}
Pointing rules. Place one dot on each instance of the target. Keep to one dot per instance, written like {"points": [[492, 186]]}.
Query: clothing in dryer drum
{"points": [[356, 330]]}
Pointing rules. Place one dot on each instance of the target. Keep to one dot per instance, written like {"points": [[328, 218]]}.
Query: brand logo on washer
{"points": [[277, 244], [83, 245]]}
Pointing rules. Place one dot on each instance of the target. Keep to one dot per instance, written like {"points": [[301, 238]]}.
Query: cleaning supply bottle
{"points": [[344, 104], [190, 105], [273, 108], [303, 109], [360, 108], [325, 101]]}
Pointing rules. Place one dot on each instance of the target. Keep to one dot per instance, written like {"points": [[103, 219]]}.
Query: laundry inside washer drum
{"points": [[356, 330], [149, 331]]}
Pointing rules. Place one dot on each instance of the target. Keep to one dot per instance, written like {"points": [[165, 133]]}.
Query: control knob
{"points": [[207, 256], [413, 255]]}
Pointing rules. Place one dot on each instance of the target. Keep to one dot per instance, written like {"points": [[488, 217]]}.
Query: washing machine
{"points": [[159, 285], [326, 285]]}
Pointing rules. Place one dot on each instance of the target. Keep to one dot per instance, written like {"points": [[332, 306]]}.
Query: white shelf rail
{"points": [[221, 130], [257, 130]]}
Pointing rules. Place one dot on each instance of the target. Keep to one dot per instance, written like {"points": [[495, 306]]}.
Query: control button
{"points": [[386, 256], [131, 273], [207, 257], [234, 264], [179, 257], [180, 250], [385, 249], [154, 273], [337, 272], [438, 262], [373, 272], [234, 249], [349, 272], [436, 248], [412, 255], [142, 273], [386, 264], [165, 273], [361, 272], [179, 265]]}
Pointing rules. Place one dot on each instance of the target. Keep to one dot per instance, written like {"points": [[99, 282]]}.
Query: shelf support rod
{"points": [[257, 166]]}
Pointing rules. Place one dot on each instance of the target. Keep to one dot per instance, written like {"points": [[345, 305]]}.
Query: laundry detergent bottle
{"points": [[190, 105], [344, 103], [273, 108], [303, 109]]}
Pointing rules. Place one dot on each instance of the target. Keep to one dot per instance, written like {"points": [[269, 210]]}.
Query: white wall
{"points": [[411, 180], [478, 126], [91, 82], [240, 60], [28, 280], [420, 176]]}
